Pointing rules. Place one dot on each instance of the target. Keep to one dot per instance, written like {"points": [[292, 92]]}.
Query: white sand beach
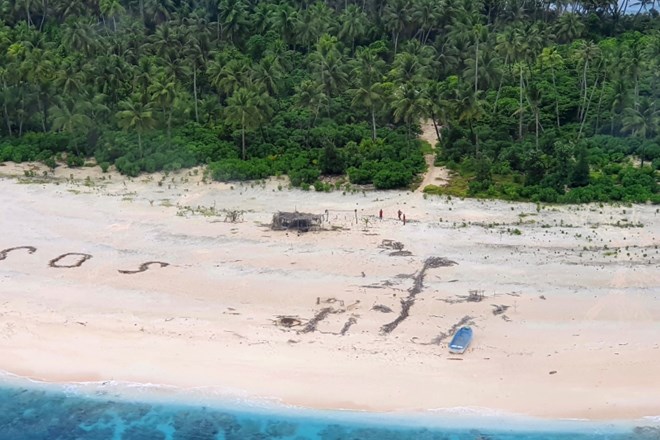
{"points": [[578, 288]]}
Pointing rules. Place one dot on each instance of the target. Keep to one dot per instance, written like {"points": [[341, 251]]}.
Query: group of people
{"points": [[400, 213]]}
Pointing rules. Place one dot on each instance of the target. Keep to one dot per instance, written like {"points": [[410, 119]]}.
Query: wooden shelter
{"points": [[298, 221]]}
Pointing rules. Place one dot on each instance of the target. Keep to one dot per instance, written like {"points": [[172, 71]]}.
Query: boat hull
{"points": [[461, 340]]}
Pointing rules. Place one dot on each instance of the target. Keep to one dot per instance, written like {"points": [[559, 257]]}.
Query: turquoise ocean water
{"points": [[30, 412]]}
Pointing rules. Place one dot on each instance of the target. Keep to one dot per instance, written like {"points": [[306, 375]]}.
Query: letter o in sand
{"points": [[82, 258]]}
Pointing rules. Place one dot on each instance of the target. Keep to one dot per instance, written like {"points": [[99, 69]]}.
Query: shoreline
{"points": [[432, 418], [580, 293]]}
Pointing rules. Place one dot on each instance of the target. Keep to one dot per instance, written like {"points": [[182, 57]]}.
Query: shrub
{"points": [[50, 162], [392, 175], [73, 161], [236, 169]]}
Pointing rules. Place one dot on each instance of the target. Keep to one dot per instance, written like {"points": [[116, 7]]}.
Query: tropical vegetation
{"points": [[553, 101]]}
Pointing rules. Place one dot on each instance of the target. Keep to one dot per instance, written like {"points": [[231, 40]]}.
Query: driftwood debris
{"points": [[472, 296], [418, 285], [400, 254], [320, 316], [498, 309], [233, 215], [83, 258], [298, 221], [288, 321], [351, 321], [30, 249], [143, 267], [391, 245], [396, 247], [465, 320]]}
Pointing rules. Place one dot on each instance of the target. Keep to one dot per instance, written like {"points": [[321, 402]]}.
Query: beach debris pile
{"points": [[396, 247], [287, 321]]}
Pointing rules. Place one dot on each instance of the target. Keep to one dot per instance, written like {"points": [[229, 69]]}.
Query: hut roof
{"points": [[300, 221]]}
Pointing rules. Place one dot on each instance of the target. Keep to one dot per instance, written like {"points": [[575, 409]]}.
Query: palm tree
{"points": [[520, 68], [284, 20], [163, 92], [354, 24], [229, 77], [69, 79], [328, 66], [321, 18], [396, 17], [164, 41], [588, 52], [480, 34], [439, 107], [268, 73], [513, 44], [371, 96], [535, 98], [80, 36], [158, 11], [425, 15], [409, 105], [136, 115], [568, 27], [6, 97], [643, 121], [26, 6], [70, 115], [112, 8], [247, 108], [619, 101], [197, 58], [111, 76], [39, 70], [633, 57], [652, 53], [470, 109], [310, 95], [408, 67], [232, 17], [483, 71], [551, 59]]}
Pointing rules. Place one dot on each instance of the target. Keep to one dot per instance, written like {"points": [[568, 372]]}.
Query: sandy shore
{"points": [[580, 287]]}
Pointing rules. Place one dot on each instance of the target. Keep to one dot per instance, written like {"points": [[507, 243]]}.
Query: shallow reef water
{"points": [[31, 413]]}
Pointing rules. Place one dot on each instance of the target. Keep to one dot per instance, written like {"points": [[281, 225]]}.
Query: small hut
{"points": [[298, 221]]}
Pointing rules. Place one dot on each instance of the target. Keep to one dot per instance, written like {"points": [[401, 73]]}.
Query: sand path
{"points": [[434, 175]]}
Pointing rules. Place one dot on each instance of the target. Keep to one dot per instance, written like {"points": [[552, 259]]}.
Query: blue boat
{"points": [[459, 343]]}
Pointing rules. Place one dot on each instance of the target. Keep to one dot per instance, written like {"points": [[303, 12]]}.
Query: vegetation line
{"points": [[536, 100]]}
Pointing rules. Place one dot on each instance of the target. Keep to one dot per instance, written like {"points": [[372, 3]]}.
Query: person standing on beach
{"points": [[404, 219], [399, 212], [380, 214]]}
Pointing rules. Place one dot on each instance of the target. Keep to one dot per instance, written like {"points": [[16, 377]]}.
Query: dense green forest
{"points": [[553, 101]]}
